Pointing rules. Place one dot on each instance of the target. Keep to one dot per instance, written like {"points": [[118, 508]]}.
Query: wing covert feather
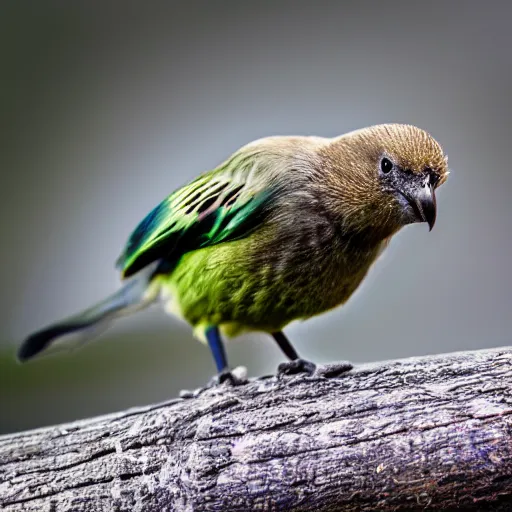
{"points": [[219, 206]]}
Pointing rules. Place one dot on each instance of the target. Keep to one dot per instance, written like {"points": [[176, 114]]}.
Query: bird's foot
{"points": [[235, 377], [333, 370], [296, 366]]}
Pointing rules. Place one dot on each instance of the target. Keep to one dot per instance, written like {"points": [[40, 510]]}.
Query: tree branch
{"points": [[432, 433]]}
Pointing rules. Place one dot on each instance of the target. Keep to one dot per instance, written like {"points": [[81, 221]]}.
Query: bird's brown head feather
{"points": [[381, 178]]}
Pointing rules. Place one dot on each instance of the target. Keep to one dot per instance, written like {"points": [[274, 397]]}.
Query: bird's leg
{"points": [[285, 346], [296, 364], [219, 355]]}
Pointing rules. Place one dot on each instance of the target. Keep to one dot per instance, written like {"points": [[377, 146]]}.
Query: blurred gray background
{"points": [[106, 108]]}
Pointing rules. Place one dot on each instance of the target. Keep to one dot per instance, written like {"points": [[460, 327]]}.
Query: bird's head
{"points": [[384, 177]]}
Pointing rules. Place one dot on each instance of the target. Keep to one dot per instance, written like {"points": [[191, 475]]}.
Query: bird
{"points": [[284, 229]]}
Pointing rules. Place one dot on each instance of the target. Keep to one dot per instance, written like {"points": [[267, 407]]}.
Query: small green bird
{"points": [[286, 228]]}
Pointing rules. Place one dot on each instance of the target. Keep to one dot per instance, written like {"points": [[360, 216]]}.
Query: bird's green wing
{"points": [[219, 206]]}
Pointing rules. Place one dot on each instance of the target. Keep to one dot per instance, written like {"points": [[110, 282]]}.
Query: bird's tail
{"points": [[136, 294]]}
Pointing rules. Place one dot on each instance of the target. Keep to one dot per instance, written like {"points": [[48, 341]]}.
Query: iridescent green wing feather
{"points": [[223, 205]]}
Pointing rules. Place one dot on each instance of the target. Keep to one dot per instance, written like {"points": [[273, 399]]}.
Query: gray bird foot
{"points": [[333, 370], [235, 377], [296, 366]]}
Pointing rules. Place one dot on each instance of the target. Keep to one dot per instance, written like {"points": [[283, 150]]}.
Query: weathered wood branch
{"points": [[418, 434]]}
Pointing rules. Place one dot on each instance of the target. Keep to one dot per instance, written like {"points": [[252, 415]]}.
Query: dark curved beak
{"points": [[424, 205]]}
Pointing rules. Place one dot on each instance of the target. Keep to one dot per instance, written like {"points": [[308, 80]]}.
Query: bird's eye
{"points": [[434, 179], [386, 165], [433, 176]]}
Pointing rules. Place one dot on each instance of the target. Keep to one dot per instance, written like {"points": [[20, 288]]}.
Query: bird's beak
{"points": [[424, 204]]}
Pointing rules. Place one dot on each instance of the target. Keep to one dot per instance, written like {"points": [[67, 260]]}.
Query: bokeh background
{"points": [[107, 107]]}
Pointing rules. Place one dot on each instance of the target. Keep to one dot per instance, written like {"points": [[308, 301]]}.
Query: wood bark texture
{"points": [[431, 433]]}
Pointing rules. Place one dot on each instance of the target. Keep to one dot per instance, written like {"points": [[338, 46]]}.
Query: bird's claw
{"points": [[235, 377], [333, 370], [296, 366], [327, 371]]}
